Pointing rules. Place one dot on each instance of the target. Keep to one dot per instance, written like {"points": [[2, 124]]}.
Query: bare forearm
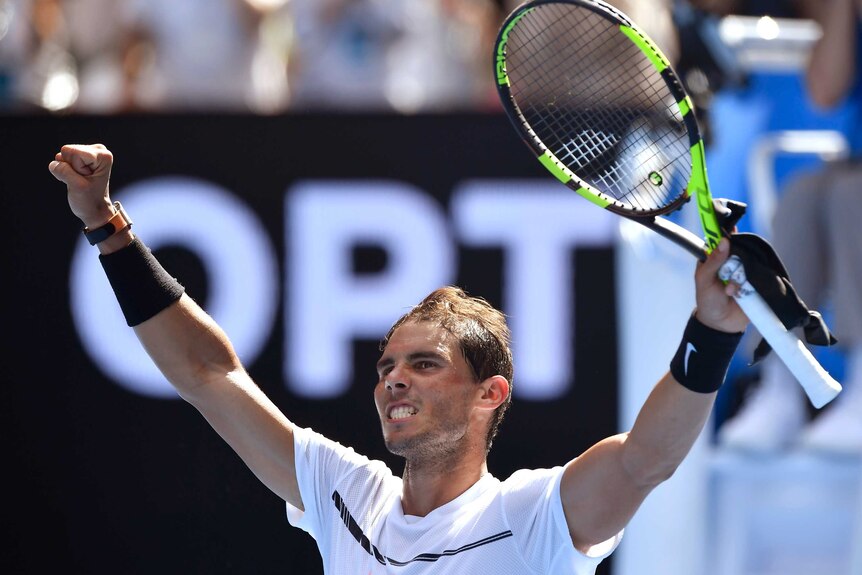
{"points": [[195, 355], [832, 65], [665, 430], [677, 409], [187, 346]]}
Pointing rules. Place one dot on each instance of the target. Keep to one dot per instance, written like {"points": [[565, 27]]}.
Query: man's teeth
{"points": [[402, 412]]}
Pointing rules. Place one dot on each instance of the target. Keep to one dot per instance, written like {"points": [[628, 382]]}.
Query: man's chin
{"points": [[403, 447], [400, 448]]}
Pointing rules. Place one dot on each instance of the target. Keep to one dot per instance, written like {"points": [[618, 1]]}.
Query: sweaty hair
{"points": [[481, 332]]}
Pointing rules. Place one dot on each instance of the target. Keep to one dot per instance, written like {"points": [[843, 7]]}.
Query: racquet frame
{"points": [[818, 384]]}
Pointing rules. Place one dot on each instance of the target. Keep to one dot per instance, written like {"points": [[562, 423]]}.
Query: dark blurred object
{"points": [[706, 64], [774, 8]]}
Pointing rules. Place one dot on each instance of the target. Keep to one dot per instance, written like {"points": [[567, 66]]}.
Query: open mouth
{"points": [[402, 412]]}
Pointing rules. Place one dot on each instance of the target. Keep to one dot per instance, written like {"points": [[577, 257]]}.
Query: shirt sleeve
{"points": [[533, 503], [321, 465]]}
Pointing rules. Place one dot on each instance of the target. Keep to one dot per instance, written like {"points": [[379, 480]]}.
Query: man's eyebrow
{"points": [[415, 356], [425, 355]]}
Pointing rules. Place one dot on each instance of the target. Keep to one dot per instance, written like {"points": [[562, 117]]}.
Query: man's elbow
{"points": [[825, 95]]}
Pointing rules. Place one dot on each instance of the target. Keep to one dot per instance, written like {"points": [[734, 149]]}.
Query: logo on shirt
{"points": [[372, 549]]}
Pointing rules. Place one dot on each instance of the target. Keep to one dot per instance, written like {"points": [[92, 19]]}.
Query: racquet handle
{"points": [[820, 387]]}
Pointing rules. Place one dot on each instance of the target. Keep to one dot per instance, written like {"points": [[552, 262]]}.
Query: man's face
{"points": [[425, 393]]}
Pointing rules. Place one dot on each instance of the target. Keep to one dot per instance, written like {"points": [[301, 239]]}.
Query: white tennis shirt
{"points": [[353, 511]]}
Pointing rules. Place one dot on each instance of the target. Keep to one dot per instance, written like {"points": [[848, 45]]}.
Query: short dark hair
{"points": [[481, 331]]}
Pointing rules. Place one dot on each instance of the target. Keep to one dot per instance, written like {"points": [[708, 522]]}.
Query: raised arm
{"points": [[603, 488], [190, 349], [831, 68]]}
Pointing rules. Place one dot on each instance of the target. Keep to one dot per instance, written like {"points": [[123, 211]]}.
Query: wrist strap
{"points": [[118, 222], [701, 361], [142, 286]]}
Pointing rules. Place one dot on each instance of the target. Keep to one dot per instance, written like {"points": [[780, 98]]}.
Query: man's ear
{"points": [[495, 391]]}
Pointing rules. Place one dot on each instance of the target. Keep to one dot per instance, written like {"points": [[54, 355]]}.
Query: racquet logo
{"points": [[708, 220], [502, 75]]}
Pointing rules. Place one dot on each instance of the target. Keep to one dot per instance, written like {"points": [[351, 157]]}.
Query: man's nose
{"points": [[397, 379]]}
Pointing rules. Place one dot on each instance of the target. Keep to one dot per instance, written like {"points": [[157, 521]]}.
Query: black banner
{"points": [[107, 477]]}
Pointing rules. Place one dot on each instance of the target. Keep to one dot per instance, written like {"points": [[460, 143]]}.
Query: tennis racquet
{"points": [[603, 110]]}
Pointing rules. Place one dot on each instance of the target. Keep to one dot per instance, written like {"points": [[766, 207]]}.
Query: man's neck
{"points": [[428, 487]]}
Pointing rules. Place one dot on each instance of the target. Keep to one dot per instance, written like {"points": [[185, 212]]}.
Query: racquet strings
{"points": [[595, 101]]}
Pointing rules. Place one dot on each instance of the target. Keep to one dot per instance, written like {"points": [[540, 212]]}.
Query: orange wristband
{"points": [[118, 222]]}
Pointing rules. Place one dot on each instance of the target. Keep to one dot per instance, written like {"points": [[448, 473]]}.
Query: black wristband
{"points": [[142, 286], [704, 354]]}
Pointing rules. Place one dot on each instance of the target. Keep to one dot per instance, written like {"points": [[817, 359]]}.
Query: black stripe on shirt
{"points": [[371, 549]]}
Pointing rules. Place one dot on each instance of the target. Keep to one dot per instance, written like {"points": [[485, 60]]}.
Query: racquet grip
{"points": [[820, 387]]}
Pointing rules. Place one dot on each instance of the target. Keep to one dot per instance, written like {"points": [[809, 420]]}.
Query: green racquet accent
{"points": [[700, 186], [685, 106], [565, 176], [553, 166], [649, 49], [591, 195]]}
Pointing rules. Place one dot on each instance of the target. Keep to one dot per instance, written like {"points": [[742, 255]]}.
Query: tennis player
{"points": [[444, 383]]}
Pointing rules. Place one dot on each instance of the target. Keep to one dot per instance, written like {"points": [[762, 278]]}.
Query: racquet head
{"points": [[600, 105]]}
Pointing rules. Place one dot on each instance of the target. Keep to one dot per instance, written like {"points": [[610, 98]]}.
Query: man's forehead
{"points": [[414, 337]]}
